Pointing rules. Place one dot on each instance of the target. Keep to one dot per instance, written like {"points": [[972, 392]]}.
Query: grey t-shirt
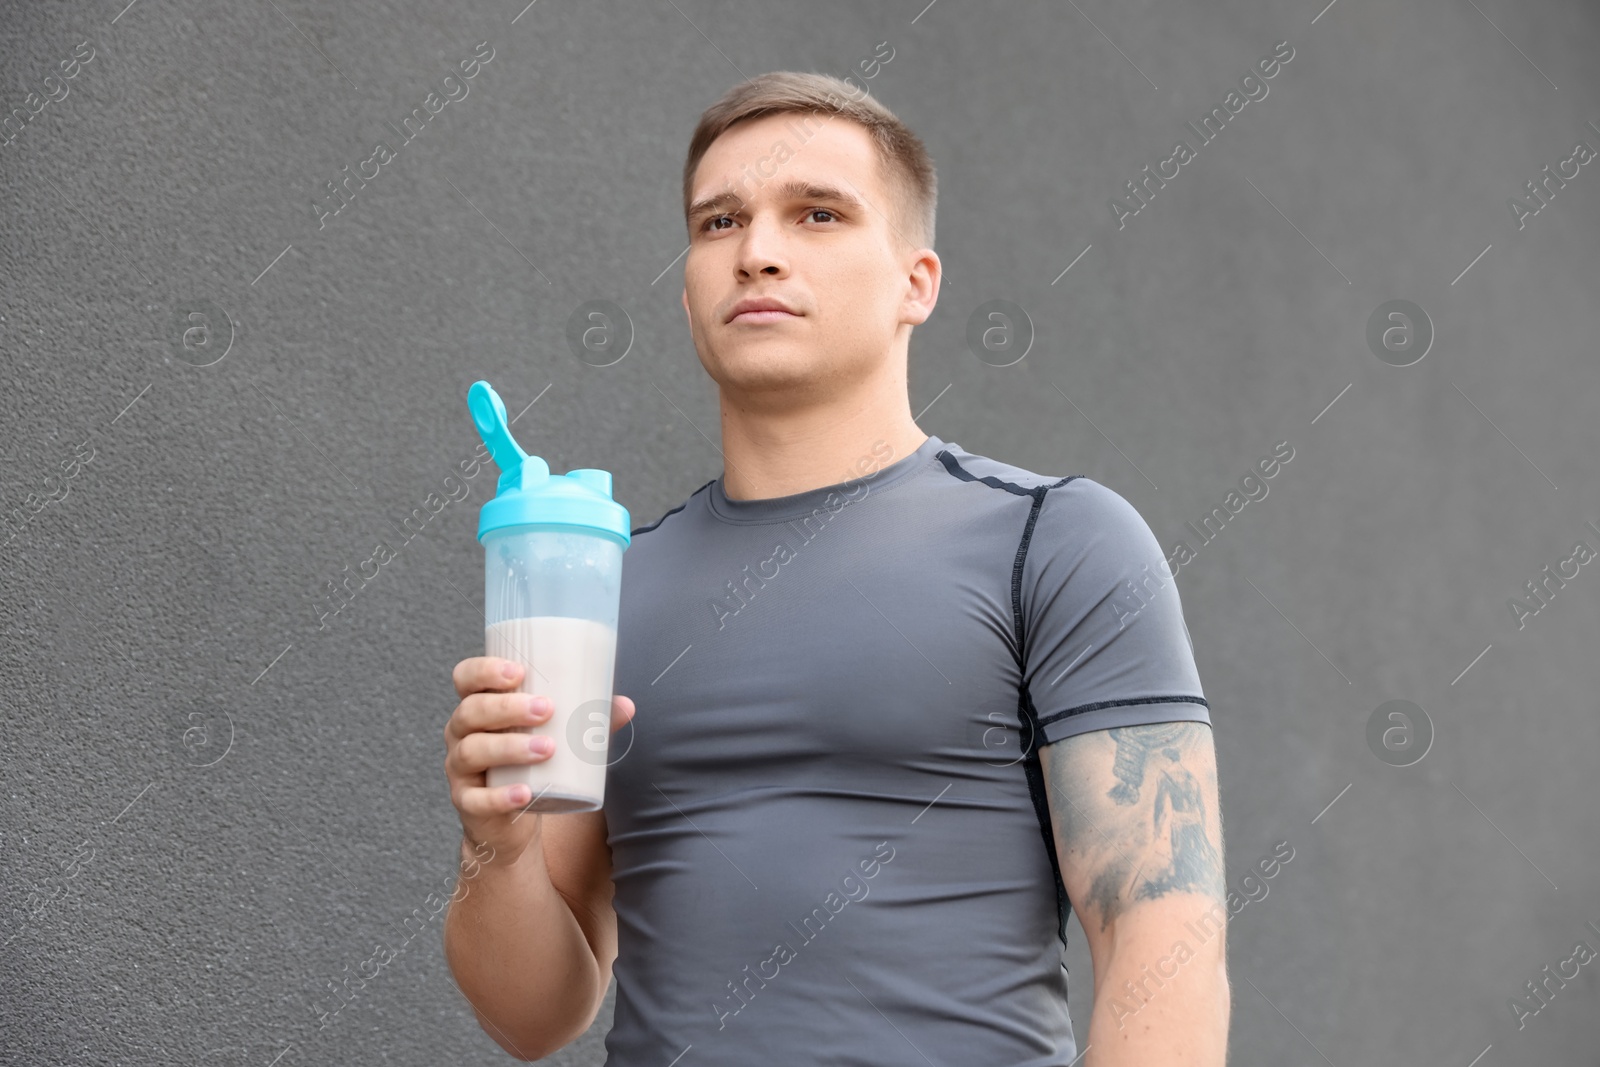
{"points": [[829, 833]]}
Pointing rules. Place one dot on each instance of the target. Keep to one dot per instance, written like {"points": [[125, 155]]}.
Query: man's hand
{"points": [[486, 730]]}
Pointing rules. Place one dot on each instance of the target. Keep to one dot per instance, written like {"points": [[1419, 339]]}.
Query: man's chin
{"points": [[758, 353], [758, 368]]}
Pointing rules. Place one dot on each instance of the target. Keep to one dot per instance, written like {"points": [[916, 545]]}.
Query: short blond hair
{"points": [[901, 155]]}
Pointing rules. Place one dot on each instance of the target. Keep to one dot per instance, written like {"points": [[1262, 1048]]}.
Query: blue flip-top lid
{"points": [[528, 495]]}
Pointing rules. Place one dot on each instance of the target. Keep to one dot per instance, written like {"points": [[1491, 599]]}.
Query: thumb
{"points": [[622, 712]]}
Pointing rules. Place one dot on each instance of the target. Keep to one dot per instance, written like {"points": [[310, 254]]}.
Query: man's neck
{"points": [[772, 455]]}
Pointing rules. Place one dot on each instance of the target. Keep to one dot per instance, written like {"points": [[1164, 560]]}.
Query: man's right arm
{"points": [[525, 947], [532, 939]]}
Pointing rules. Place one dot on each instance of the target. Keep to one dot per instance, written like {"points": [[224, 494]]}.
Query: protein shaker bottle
{"points": [[552, 586]]}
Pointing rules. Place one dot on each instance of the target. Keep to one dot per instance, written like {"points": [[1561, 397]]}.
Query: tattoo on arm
{"points": [[1138, 817]]}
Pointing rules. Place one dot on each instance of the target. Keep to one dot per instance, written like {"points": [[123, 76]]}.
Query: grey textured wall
{"points": [[218, 802]]}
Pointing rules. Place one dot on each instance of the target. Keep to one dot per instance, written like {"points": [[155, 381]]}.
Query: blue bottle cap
{"points": [[528, 495]]}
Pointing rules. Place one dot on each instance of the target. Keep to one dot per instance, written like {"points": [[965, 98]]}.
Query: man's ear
{"points": [[686, 301], [926, 273]]}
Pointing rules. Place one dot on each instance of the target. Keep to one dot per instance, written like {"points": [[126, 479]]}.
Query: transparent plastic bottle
{"points": [[552, 588]]}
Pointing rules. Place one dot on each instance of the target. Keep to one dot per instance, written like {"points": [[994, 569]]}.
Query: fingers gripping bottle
{"points": [[552, 587]]}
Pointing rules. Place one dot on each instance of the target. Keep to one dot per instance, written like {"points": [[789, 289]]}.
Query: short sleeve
{"points": [[1104, 639]]}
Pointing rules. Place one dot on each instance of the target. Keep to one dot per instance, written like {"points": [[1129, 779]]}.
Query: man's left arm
{"points": [[1138, 833]]}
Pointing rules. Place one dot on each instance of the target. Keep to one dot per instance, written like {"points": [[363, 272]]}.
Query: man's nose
{"points": [[761, 247]]}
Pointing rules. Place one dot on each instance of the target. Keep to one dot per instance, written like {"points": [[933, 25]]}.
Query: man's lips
{"points": [[761, 316]]}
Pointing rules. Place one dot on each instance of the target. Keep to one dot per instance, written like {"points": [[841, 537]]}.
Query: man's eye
{"points": [[710, 223]]}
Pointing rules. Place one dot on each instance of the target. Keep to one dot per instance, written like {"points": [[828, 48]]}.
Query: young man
{"points": [[898, 703]]}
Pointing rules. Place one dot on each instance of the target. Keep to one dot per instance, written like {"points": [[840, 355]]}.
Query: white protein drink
{"points": [[569, 661]]}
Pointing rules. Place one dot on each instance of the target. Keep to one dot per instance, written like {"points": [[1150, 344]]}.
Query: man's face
{"points": [[835, 260]]}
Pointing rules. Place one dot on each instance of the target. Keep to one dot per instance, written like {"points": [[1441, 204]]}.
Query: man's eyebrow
{"points": [[793, 189]]}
